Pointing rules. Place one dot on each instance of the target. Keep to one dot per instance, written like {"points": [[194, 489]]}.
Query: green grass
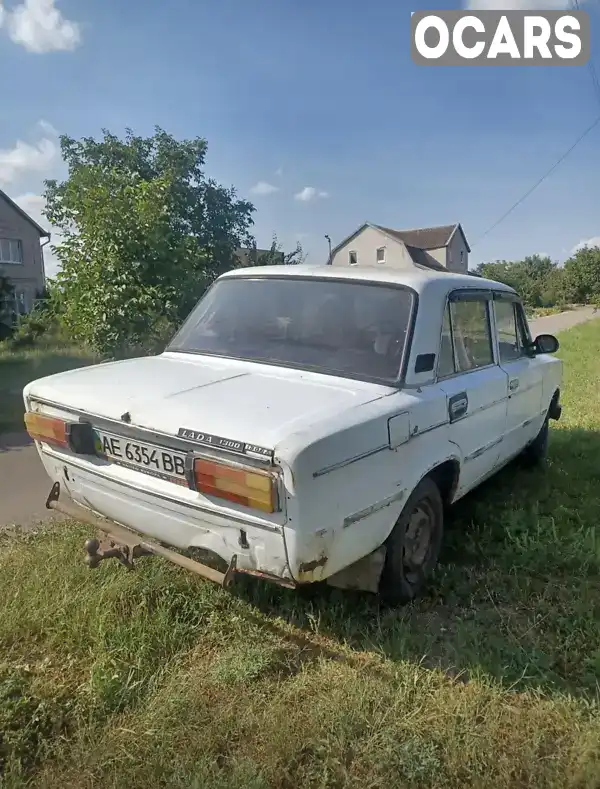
{"points": [[155, 678], [18, 368]]}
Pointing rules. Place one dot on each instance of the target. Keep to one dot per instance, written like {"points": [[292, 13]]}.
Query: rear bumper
{"points": [[127, 545], [153, 521]]}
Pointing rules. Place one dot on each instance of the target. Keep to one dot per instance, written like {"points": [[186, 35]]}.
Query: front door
{"points": [[474, 384], [525, 376]]}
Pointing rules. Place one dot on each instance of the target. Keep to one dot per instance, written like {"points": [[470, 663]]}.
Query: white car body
{"points": [[348, 453]]}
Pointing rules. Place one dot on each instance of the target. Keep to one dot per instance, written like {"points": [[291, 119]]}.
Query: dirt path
{"points": [[24, 484], [552, 324]]}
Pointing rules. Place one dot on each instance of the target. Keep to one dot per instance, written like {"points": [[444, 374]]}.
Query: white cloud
{"points": [[25, 157], [1, 14], [33, 205], [594, 241], [40, 27], [517, 5], [48, 128], [263, 188], [309, 193]]}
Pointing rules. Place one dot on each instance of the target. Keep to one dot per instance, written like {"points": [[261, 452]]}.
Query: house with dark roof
{"points": [[443, 248], [21, 258]]}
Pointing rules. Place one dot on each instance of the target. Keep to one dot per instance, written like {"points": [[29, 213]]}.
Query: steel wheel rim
{"points": [[418, 537]]}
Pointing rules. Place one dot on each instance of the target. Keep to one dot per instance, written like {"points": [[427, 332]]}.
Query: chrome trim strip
{"points": [[358, 516], [483, 449], [349, 461], [418, 433], [69, 462]]}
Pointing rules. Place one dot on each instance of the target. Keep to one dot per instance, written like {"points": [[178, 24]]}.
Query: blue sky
{"points": [[312, 100]]}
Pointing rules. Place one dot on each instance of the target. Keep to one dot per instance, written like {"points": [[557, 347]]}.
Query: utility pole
{"points": [[329, 241]]}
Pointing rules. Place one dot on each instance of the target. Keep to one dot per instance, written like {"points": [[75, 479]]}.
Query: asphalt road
{"points": [[24, 484]]}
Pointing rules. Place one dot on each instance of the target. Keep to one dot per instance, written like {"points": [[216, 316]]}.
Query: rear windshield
{"points": [[349, 328]]}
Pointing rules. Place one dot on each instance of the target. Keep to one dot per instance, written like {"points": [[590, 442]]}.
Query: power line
{"points": [[596, 86], [590, 63], [540, 180]]}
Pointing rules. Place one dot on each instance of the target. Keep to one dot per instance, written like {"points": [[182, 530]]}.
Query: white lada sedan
{"points": [[304, 425]]}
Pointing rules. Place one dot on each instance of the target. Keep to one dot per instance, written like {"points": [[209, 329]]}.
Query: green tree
{"points": [[144, 232], [536, 278], [582, 275]]}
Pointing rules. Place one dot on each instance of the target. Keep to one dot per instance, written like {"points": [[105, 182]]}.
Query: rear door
{"points": [[475, 385], [525, 375]]}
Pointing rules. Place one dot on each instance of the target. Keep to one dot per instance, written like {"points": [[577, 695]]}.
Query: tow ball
{"points": [[96, 552]]}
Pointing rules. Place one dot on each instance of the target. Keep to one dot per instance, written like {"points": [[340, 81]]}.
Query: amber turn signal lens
{"points": [[47, 429], [255, 489]]}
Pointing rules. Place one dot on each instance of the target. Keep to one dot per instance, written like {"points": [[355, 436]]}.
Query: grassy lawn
{"points": [[155, 678], [17, 368]]}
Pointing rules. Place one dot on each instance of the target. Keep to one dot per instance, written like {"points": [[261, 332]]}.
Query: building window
{"points": [[352, 258], [11, 251], [381, 255]]}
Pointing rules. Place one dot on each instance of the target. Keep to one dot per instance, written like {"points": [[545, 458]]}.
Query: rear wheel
{"points": [[414, 545]]}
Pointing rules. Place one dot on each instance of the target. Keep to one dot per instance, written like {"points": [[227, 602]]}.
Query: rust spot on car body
{"points": [[309, 567]]}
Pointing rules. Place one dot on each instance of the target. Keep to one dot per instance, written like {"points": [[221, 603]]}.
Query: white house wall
{"points": [[455, 262], [366, 244]]}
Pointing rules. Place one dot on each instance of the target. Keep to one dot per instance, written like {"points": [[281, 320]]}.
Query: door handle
{"points": [[458, 405], [513, 384]]}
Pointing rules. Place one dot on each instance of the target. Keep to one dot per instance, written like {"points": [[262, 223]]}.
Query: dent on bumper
{"points": [[258, 551]]}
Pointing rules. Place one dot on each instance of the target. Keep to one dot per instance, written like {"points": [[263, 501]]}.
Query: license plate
{"points": [[140, 456]]}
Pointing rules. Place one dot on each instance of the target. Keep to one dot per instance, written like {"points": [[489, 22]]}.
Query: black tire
{"points": [[406, 572], [535, 454]]}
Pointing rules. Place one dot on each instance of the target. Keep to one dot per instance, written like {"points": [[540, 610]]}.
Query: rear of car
{"points": [[163, 488], [204, 447]]}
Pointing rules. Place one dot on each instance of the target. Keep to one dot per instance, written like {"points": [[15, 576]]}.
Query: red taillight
{"points": [[47, 429], [256, 489]]}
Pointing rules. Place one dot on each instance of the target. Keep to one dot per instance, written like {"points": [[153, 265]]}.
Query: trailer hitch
{"points": [[125, 545]]}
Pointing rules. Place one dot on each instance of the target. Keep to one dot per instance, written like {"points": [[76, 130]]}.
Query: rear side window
{"points": [[466, 342]]}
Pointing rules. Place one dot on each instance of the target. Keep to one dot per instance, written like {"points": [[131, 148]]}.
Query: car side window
{"points": [[471, 334], [510, 342], [466, 341]]}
